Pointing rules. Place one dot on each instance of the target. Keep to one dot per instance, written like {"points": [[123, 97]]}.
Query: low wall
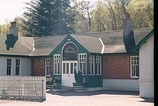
{"points": [[121, 84]]}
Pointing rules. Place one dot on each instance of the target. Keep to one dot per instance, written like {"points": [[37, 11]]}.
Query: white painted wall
{"points": [[121, 84], [25, 68], [146, 63]]}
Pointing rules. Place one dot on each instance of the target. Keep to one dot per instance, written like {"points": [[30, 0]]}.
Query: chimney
{"points": [[12, 37], [13, 29], [128, 35]]}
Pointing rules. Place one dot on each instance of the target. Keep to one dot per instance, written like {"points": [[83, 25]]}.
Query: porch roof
{"points": [[90, 43]]}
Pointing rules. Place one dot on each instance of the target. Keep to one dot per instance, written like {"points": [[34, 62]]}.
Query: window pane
{"points": [[70, 52], [71, 68], [137, 71], [67, 69], [9, 66], [48, 66], [63, 68], [17, 70], [84, 68]]}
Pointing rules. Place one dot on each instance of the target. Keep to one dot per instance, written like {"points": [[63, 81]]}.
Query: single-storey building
{"points": [[146, 65], [105, 58]]}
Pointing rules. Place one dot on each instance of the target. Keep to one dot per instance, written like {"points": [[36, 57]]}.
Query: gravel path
{"points": [[98, 98]]}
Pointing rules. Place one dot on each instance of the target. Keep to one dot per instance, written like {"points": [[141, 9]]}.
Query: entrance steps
{"points": [[66, 88], [78, 88]]}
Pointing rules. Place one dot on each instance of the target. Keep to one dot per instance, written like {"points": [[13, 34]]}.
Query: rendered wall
{"points": [[25, 66], [121, 84], [146, 61]]}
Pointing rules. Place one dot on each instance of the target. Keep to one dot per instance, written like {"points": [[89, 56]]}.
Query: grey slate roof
{"points": [[22, 47], [113, 41], [90, 43], [45, 45]]}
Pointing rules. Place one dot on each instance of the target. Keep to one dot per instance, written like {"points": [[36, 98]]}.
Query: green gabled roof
{"points": [[136, 48]]}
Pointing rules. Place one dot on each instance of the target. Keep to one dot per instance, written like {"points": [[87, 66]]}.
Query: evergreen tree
{"points": [[48, 17]]}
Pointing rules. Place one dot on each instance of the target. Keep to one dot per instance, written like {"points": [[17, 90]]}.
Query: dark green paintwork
{"points": [[136, 48], [91, 80]]}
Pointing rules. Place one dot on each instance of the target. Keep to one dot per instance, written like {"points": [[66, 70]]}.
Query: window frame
{"points": [[91, 64], [83, 61], [136, 66], [9, 67], [98, 67], [57, 60], [48, 65], [17, 66]]}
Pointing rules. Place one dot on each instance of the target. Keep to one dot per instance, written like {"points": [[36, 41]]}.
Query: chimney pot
{"points": [[13, 29]]}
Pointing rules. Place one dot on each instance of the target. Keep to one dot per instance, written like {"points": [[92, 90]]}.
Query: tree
{"points": [[142, 13], [4, 28], [88, 8], [20, 25], [82, 11], [108, 15], [100, 20], [48, 17]]}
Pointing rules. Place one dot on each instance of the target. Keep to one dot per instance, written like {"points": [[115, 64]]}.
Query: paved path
{"points": [[97, 98]]}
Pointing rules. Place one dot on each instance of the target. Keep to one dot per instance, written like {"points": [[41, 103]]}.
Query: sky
{"points": [[10, 9]]}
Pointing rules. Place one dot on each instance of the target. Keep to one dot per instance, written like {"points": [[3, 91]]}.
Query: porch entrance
{"points": [[68, 68]]}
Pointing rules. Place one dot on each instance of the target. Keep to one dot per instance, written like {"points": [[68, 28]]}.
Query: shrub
{"points": [[56, 86], [49, 82]]}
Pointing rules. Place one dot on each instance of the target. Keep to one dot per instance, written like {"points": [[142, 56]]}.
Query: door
{"points": [[68, 68]]}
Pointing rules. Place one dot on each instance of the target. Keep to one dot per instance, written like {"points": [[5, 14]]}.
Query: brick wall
{"points": [[116, 67], [38, 66]]}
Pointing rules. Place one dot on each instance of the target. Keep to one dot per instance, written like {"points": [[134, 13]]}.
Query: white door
{"points": [[68, 73]]}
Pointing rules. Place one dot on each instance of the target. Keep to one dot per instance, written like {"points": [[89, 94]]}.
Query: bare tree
{"points": [[87, 7]]}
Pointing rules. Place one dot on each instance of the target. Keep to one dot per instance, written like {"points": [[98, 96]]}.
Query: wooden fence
{"points": [[23, 87]]}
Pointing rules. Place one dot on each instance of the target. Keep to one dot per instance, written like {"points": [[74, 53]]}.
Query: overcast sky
{"points": [[10, 9]]}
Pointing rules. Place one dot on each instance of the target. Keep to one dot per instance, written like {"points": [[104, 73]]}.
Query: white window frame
{"points": [[57, 63], [9, 66], [98, 65], [91, 65], [48, 67], [83, 61], [134, 65], [17, 65]]}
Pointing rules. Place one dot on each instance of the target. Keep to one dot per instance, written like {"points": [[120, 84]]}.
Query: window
{"points": [[134, 60], [48, 66], [70, 52], [98, 65], [9, 63], [82, 63], [17, 67], [91, 65], [57, 64]]}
